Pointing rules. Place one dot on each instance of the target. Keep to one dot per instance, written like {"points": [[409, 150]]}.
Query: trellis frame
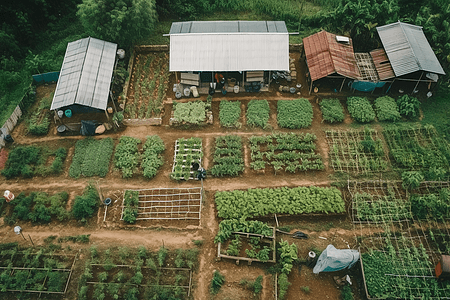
{"points": [[192, 198], [345, 155], [45, 279], [402, 236]]}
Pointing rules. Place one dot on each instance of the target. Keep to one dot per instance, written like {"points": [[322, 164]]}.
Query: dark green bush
{"points": [[386, 109], [85, 205], [332, 110], [360, 109], [408, 106], [411, 180], [40, 213], [216, 283], [435, 206]]}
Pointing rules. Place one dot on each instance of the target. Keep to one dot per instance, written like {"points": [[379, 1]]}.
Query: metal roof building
{"points": [[221, 46], [326, 56], [408, 49], [86, 74]]}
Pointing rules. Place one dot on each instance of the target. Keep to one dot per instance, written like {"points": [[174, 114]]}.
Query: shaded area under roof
{"points": [[408, 49], [86, 74], [382, 64], [325, 56], [228, 27], [218, 50]]}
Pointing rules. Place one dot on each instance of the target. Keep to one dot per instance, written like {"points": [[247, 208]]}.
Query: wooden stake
{"points": [[31, 240], [276, 219]]}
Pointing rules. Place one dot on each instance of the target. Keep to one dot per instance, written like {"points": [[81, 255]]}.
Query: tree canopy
{"points": [[124, 22]]}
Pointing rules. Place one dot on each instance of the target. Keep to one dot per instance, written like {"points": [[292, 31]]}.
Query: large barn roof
{"points": [[325, 56], [229, 46], [408, 49], [86, 72]]}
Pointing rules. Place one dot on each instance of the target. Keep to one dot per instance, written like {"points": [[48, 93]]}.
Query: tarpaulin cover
{"points": [[87, 128], [366, 86], [333, 259]]}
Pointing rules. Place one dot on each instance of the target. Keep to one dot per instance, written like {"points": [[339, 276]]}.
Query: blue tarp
{"points": [[365, 86], [333, 259], [46, 77]]}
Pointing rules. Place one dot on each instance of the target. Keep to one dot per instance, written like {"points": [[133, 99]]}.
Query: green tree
{"points": [[124, 22]]}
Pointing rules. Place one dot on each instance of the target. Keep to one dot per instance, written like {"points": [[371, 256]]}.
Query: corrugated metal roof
{"points": [[86, 73], [325, 56], [408, 49], [228, 27], [382, 64], [229, 46]]}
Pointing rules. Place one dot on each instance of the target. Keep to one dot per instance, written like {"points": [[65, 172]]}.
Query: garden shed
{"points": [[240, 51], [85, 78], [409, 53], [330, 55]]}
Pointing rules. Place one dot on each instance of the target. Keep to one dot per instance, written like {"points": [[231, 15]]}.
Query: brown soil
{"points": [[323, 230]]}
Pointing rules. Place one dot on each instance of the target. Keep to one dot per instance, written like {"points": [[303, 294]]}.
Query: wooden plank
{"points": [[190, 82], [190, 76], [255, 74], [260, 79]]}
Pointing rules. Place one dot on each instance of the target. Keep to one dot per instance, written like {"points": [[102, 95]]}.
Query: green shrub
{"points": [[216, 283], [436, 206], [229, 113], [411, 180], [294, 114], [360, 109], [408, 106], [332, 110], [283, 285], [85, 205], [20, 160], [386, 109], [39, 122], [346, 293], [258, 113]]}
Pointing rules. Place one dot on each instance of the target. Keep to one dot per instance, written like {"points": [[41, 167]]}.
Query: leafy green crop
{"points": [[262, 202], [332, 110], [91, 157], [229, 113], [360, 109], [294, 114], [151, 159], [190, 112], [258, 113], [408, 106], [126, 157], [187, 152], [84, 206], [387, 109], [228, 158]]}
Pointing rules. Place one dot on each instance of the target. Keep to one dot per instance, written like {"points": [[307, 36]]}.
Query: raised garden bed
{"points": [[35, 272], [191, 113], [230, 113], [251, 241], [187, 152], [294, 114], [289, 152], [258, 113], [162, 204], [147, 86]]}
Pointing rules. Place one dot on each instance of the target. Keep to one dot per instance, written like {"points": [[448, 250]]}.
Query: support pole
{"points": [[31, 240], [342, 85], [310, 89], [417, 83], [276, 219], [22, 235]]}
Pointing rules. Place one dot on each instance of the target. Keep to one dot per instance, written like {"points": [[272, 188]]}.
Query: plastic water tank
{"points": [[187, 92], [68, 113], [236, 89]]}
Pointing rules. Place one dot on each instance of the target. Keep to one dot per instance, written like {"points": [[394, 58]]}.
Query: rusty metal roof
{"points": [[382, 64], [325, 56], [408, 49]]}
